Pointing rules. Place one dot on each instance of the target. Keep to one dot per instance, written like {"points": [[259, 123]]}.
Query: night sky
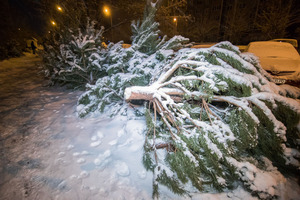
{"points": [[27, 18]]}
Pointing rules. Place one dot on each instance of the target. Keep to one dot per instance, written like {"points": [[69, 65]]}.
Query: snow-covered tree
{"points": [[126, 67], [215, 118], [145, 35], [74, 58]]}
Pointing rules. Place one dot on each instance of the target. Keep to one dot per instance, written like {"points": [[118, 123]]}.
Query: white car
{"points": [[280, 59]]}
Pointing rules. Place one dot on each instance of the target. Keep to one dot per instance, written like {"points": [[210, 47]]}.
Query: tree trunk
{"points": [[147, 93]]}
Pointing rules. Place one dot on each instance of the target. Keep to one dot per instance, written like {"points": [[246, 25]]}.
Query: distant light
{"points": [[19, 29], [175, 19], [106, 10], [53, 23], [59, 8], [49, 31]]}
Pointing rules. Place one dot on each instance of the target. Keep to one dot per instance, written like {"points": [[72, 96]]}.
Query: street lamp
{"points": [[59, 8], [53, 23], [175, 21], [107, 12]]}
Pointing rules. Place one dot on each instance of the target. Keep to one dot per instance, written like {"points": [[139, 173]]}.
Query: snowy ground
{"points": [[46, 152]]}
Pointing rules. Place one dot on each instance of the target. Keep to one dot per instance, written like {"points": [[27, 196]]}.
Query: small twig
{"points": [[201, 112], [207, 110], [165, 120], [189, 118], [154, 134]]}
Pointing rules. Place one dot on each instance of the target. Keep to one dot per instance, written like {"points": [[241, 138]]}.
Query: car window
{"points": [[273, 49]]}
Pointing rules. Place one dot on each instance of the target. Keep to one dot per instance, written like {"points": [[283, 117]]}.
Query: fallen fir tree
{"points": [[214, 117], [125, 67]]}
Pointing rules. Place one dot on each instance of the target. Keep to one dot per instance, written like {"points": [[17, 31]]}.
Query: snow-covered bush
{"points": [[74, 57], [10, 49], [216, 119]]}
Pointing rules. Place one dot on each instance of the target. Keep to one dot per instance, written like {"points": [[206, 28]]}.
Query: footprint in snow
{"points": [[81, 160], [83, 174], [61, 154], [83, 153], [76, 154], [69, 147], [103, 192], [96, 139], [61, 161], [96, 143], [122, 169], [102, 158], [121, 133], [142, 174], [100, 134], [113, 142]]}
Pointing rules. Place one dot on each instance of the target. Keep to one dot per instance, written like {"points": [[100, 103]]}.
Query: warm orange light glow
{"points": [[53, 23], [106, 10], [59, 8], [175, 19]]}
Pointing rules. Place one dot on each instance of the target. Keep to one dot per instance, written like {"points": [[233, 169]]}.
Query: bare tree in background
{"points": [[275, 17], [203, 30], [167, 11], [237, 26]]}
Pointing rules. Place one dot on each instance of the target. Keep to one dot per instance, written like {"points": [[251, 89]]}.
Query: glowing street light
{"points": [[107, 12], [59, 8], [175, 21], [53, 23]]}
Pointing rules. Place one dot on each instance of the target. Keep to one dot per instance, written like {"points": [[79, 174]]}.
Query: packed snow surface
{"points": [[47, 152]]}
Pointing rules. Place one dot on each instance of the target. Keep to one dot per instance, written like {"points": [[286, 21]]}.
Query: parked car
{"points": [[125, 46], [207, 45], [280, 59], [242, 48], [293, 42], [202, 45]]}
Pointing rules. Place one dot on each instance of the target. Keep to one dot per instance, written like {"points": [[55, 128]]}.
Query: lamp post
{"points": [[107, 12], [175, 21]]}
